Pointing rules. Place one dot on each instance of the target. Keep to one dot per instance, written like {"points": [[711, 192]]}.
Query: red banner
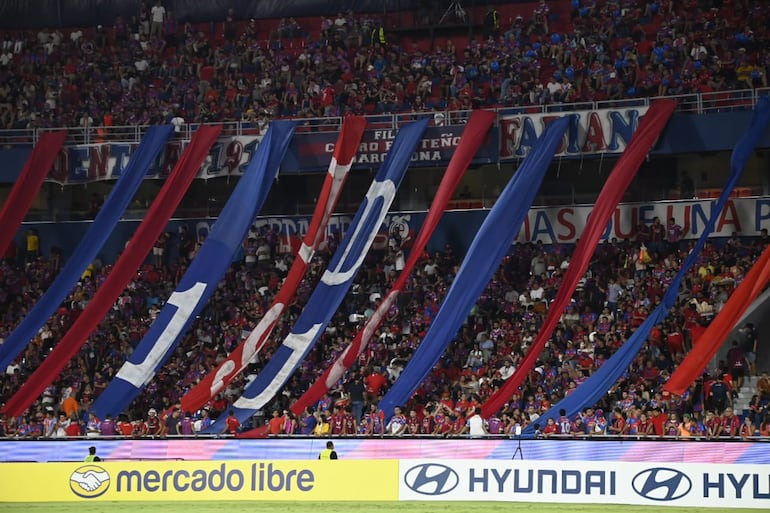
{"points": [[712, 339], [626, 168], [29, 182], [125, 268]]}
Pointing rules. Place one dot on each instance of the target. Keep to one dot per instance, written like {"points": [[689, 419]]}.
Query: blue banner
{"points": [[490, 245], [90, 245], [202, 277], [311, 151], [334, 283], [595, 387]]}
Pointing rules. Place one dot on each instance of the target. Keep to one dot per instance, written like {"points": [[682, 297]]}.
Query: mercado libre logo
{"points": [[89, 481]]}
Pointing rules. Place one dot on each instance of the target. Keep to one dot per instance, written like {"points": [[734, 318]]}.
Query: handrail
{"points": [[695, 103]]}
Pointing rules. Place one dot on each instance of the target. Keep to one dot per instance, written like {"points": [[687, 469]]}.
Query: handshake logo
{"points": [[89, 481]]}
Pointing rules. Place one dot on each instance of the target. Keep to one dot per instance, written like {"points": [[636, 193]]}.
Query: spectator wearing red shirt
{"points": [[375, 382], [658, 420], [618, 427], [232, 424], [551, 428], [275, 424]]}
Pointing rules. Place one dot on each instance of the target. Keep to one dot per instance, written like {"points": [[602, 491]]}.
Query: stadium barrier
{"points": [[723, 486], [697, 103]]}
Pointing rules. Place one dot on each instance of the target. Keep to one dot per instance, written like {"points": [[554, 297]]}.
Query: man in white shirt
{"points": [[177, 121], [507, 370], [158, 15], [477, 426]]}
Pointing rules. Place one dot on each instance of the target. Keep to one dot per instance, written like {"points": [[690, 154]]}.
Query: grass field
{"points": [[338, 507]]}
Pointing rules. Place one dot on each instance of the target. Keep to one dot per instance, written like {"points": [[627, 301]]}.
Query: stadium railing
{"points": [[699, 103]]}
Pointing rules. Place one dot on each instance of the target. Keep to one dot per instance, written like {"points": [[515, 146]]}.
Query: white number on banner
{"points": [[139, 374]]}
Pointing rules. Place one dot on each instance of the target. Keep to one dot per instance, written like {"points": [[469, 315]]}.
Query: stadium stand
{"points": [[257, 70]]}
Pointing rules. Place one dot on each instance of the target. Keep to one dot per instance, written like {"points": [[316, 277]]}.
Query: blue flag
{"points": [[487, 250]]}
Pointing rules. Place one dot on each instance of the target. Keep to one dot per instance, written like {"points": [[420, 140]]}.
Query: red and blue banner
{"points": [[611, 193], [334, 283], [108, 161], [160, 211], [202, 277], [90, 244], [589, 131], [310, 151], [231, 155], [595, 387], [490, 245], [472, 138], [238, 359]]}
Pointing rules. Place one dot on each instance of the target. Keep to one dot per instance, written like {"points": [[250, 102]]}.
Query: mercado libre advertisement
{"points": [[586, 482], [332, 480], [704, 485]]}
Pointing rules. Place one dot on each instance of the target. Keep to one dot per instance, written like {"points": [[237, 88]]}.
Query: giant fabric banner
{"points": [[472, 138], [747, 291], [487, 250], [561, 225], [613, 190], [108, 161], [605, 377], [564, 224], [165, 203], [89, 246], [590, 131], [334, 283], [202, 277], [720, 328], [238, 360], [31, 178], [310, 151], [231, 155]]}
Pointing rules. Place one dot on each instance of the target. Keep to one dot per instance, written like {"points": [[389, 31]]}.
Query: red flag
{"points": [[712, 338], [32, 175]]}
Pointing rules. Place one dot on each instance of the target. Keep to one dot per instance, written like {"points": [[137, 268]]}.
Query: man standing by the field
{"points": [[329, 453], [92, 455]]}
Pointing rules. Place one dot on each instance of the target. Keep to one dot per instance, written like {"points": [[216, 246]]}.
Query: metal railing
{"points": [[698, 103]]}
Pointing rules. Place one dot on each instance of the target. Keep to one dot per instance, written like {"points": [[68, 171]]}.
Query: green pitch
{"points": [[336, 507]]}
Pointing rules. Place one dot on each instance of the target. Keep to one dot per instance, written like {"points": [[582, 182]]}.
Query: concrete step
{"points": [[745, 394]]}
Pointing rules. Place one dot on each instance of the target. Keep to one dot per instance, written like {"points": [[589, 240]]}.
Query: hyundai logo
{"points": [[661, 484], [431, 479]]}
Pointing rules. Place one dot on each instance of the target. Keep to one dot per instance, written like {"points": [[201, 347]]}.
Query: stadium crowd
{"points": [[624, 282], [152, 68]]}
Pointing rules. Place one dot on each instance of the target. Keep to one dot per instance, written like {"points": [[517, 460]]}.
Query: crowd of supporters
{"points": [[625, 281], [141, 71]]}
